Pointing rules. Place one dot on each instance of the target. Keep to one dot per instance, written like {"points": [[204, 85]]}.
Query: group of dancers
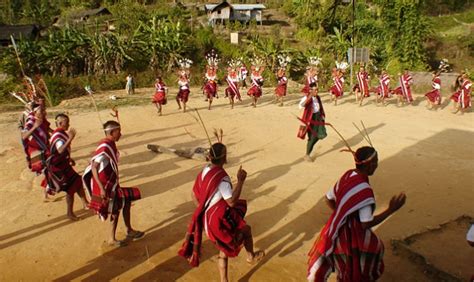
{"points": [[237, 75], [48, 153], [461, 97], [346, 244]]}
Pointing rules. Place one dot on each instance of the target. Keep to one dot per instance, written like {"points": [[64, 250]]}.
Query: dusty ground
{"points": [[427, 154]]}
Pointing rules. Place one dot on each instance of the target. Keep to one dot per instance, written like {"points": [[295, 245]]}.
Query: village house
{"points": [[226, 12], [29, 31]]}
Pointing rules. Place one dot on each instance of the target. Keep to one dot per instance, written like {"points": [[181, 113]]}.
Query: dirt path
{"points": [[427, 154]]}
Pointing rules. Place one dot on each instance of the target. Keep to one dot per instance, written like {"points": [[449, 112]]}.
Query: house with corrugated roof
{"points": [[27, 31], [225, 12]]}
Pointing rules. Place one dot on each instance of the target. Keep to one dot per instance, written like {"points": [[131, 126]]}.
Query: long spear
{"points": [[17, 55]]}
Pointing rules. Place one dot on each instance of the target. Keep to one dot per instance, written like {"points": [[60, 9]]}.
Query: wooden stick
{"points": [[17, 55], [342, 137], [337, 132], [361, 133], [367, 133], [89, 91], [204, 126], [207, 134]]}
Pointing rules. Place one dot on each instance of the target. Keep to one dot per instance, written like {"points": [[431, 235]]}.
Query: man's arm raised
{"points": [[396, 203], [241, 175]]}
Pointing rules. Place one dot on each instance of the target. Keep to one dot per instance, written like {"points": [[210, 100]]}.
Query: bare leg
{"points": [[70, 207], [184, 107], [113, 228], [210, 102], [231, 100], [252, 256], [255, 101], [126, 216], [179, 104], [82, 195], [222, 262], [281, 101]]}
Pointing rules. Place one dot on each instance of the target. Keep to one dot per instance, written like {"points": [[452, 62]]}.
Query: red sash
{"points": [[203, 189], [306, 119]]}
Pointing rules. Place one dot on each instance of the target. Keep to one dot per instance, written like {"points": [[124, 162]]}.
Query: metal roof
{"points": [[239, 7], [25, 31]]}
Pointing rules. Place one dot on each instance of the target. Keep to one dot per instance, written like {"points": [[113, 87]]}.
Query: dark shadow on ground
{"points": [[39, 229]]}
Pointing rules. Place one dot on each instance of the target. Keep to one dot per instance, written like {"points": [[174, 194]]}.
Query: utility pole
{"points": [[353, 44]]}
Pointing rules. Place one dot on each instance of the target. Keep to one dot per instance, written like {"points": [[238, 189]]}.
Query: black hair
{"points": [[34, 105], [362, 154], [217, 153], [111, 123], [61, 115]]}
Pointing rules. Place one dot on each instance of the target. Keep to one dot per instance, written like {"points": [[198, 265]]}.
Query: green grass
{"points": [[447, 22]]}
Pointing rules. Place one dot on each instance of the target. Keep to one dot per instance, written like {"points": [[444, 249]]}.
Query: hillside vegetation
{"points": [[147, 38]]}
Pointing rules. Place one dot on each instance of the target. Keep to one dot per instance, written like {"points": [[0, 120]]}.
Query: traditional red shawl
{"points": [[109, 176], [203, 189], [60, 173], [352, 192]]}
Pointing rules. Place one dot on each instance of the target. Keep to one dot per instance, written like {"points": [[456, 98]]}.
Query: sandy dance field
{"points": [[426, 154]]}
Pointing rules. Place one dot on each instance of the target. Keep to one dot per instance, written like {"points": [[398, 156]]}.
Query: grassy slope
{"points": [[451, 33]]}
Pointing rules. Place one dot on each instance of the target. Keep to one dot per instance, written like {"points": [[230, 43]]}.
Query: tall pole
{"points": [[353, 44]]}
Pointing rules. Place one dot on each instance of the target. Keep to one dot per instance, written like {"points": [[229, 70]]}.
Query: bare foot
{"points": [[73, 217], [257, 256], [308, 158], [116, 243]]}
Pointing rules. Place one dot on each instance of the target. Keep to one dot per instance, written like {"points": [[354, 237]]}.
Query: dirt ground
{"points": [[427, 154]]}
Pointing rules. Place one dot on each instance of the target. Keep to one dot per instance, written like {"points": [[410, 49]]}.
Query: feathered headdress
{"points": [[185, 63], [235, 63], [212, 58], [342, 65], [283, 60], [314, 61], [257, 62]]}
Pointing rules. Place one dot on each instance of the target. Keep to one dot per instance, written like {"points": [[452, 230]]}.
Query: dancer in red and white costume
{"points": [[232, 79], [183, 83], [311, 75], [210, 86], [404, 90], [434, 96], [257, 80], [383, 90], [159, 99], [282, 80], [361, 89], [337, 90], [462, 98]]}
